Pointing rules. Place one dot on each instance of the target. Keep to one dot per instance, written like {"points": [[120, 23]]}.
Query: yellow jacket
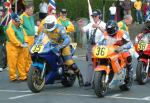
{"points": [[28, 24], [67, 24], [122, 26], [138, 5]]}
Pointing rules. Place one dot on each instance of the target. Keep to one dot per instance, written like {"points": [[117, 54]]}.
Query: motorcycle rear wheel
{"points": [[100, 87], [141, 75], [35, 83], [68, 80]]}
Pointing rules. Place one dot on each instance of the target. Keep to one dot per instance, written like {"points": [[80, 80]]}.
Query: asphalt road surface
{"points": [[18, 92]]}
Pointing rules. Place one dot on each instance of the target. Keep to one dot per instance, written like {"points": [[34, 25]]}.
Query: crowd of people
{"points": [[125, 7], [22, 31]]}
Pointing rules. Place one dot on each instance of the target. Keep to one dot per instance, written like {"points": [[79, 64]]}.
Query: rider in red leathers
{"points": [[146, 28]]}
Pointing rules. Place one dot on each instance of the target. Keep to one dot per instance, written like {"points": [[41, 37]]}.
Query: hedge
{"points": [[79, 8]]}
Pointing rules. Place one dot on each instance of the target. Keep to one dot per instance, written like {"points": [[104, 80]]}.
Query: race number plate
{"points": [[37, 48], [100, 51], [74, 45], [142, 45]]}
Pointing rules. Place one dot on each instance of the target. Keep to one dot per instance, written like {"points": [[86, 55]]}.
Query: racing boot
{"points": [[78, 74]]}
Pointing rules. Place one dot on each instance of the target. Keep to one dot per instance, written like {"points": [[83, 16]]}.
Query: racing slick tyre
{"points": [[34, 81], [100, 87], [141, 74]]}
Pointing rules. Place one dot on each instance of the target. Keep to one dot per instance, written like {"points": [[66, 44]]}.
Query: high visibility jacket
{"points": [[17, 36], [138, 5], [67, 24], [122, 26], [28, 24]]}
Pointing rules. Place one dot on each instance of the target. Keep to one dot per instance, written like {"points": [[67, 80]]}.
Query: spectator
{"points": [[65, 22], [52, 12], [43, 9], [138, 6], [36, 27], [146, 10], [123, 25], [119, 10], [27, 20], [95, 31], [127, 6], [3, 60], [112, 10], [20, 6], [14, 46]]}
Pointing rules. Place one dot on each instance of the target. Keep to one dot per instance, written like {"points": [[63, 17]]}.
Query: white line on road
{"points": [[27, 91], [20, 96], [113, 96], [82, 95]]}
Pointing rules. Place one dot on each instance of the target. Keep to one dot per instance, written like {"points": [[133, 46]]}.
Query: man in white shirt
{"points": [[95, 31], [43, 9], [112, 10]]}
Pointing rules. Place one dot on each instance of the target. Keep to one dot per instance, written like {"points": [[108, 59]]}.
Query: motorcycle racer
{"points": [[58, 35], [123, 41], [146, 28]]}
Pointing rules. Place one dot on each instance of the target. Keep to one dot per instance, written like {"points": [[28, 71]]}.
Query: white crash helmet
{"points": [[50, 23]]}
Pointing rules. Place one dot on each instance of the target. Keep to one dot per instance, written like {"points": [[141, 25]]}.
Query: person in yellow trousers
{"points": [[65, 22], [27, 21], [15, 48]]}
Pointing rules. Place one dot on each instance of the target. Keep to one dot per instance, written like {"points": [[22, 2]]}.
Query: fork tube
{"points": [[106, 79], [147, 67], [107, 76], [43, 71]]}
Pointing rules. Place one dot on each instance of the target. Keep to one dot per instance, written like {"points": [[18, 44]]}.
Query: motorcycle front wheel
{"points": [[141, 74], [99, 85], [34, 80]]}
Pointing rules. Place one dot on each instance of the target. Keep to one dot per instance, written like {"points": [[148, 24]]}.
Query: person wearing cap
{"points": [[95, 30], [27, 21], [16, 42], [65, 22]]}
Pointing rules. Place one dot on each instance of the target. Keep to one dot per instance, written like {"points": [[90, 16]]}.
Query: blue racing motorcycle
{"points": [[48, 65]]}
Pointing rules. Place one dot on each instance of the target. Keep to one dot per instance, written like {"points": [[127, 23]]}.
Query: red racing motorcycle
{"points": [[142, 47]]}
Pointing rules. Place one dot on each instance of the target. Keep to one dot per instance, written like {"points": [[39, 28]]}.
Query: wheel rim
{"points": [[37, 81]]}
